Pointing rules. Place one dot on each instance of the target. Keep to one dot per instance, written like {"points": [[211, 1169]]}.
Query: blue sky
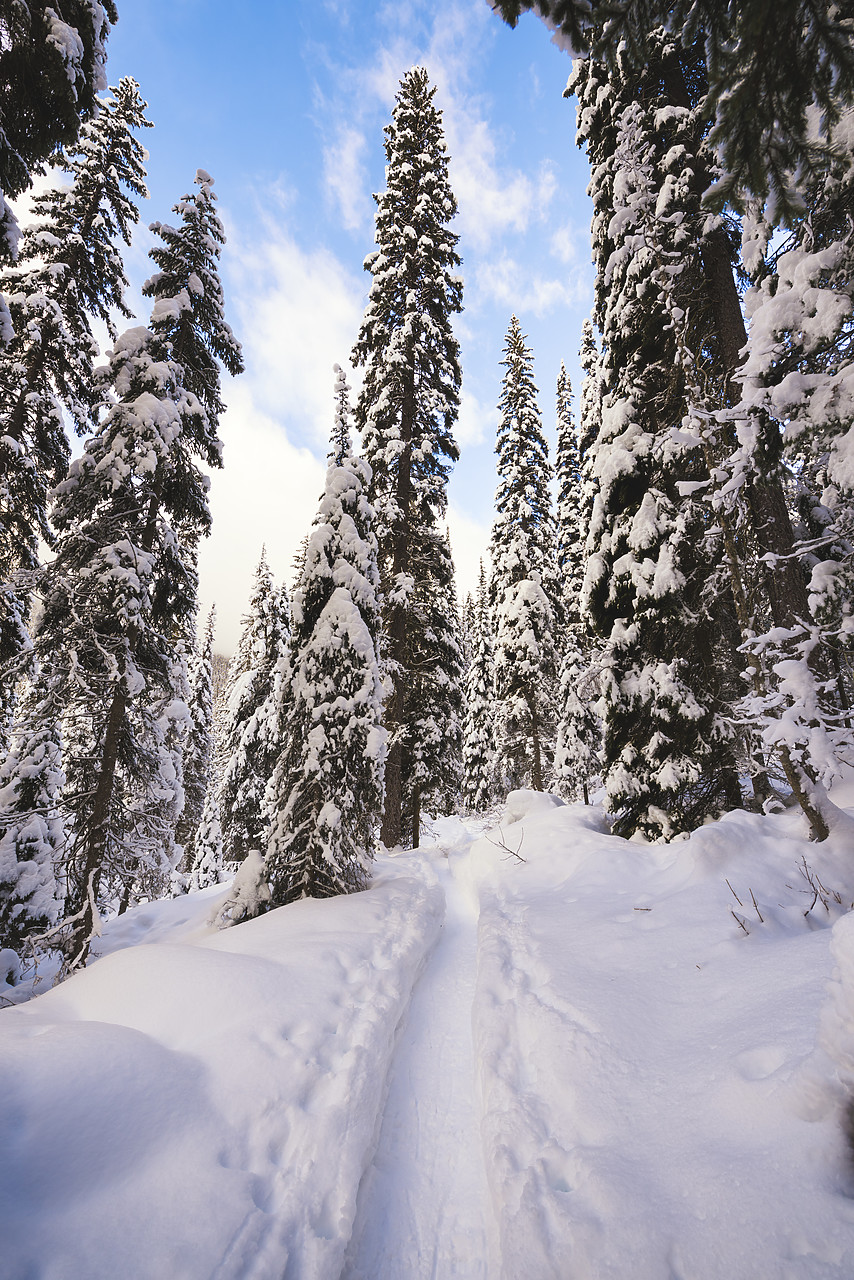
{"points": [[285, 106]]}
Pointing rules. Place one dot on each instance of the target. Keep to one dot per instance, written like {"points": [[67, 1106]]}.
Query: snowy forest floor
{"points": [[568, 1061]]}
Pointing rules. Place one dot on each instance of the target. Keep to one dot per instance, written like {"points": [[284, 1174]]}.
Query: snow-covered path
{"points": [[571, 1064], [423, 1209]]}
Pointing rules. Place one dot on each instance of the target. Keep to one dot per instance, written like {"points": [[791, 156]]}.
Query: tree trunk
{"points": [[397, 630], [536, 751], [416, 817], [96, 837]]}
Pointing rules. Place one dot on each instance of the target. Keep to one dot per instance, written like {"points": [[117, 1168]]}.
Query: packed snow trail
{"points": [[423, 1209], [573, 1064]]}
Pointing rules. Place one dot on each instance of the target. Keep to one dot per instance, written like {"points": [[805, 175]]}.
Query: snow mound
{"points": [[191, 1110], [528, 1051], [521, 803]]}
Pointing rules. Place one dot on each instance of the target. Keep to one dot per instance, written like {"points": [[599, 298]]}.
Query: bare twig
{"points": [[740, 923], [502, 844], [758, 912], [734, 894]]}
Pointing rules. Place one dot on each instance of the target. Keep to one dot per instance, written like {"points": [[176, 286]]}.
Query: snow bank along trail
{"points": [[203, 1107], [655, 1104], [424, 1211], [567, 1065]]}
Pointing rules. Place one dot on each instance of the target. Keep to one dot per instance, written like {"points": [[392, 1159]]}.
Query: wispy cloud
{"points": [[509, 282], [296, 311], [346, 178]]}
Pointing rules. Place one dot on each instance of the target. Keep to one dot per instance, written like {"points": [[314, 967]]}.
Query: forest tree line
{"points": [[677, 629]]}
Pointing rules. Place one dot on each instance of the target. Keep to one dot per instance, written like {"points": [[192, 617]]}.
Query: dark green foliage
{"points": [[523, 586], [326, 790], [767, 63], [51, 68], [406, 411], [69, 274]]}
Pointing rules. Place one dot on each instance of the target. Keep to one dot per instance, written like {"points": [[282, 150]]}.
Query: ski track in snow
{"points": [[567, 1065], [424, 1210]]}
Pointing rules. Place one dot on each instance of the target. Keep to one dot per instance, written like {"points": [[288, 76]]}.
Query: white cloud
{"points": [[346, 178], [571, 244], [506, 281], [476, 423], [297, 313], [266, 494], [469, 545]]}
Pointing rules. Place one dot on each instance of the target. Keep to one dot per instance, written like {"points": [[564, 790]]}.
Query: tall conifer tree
{"points": [[522, 585], [410, 395], [122, 588], [432, 756], [250, 753], [198, 748], [479, 783], [327, 787], [51, 68], [767, 68], [69, 274], [667, 758]]}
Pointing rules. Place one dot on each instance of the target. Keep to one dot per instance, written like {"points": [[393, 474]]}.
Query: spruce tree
{"points": [[479, 783], [409, 398], [189, 307], [773, 72], [32, 831], [326, 791], [249, 752], [578, 730], [198, 747], [51, 68], [589, 421], [522, 551], [69, 274], [799, 374], [120, 595], [432, 752], [341, 444], [667, 758], [104, 638], [207, 846]]}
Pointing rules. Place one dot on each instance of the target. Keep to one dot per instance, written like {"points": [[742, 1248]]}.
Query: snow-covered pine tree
{"points": [[189, 305], [410, 395], [766, 67], [579, 730], [340, 443], [523, 557], [432, 754], [666, 755], [250, 753], [123, 583], [51, 68], [198, 747], [31, 827], [69, 273], [104, 636], [326, 792], [207, 846], [799, 373], [479, 785], [589, 415], [576, 758], [468, 630], [570, 534]]}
